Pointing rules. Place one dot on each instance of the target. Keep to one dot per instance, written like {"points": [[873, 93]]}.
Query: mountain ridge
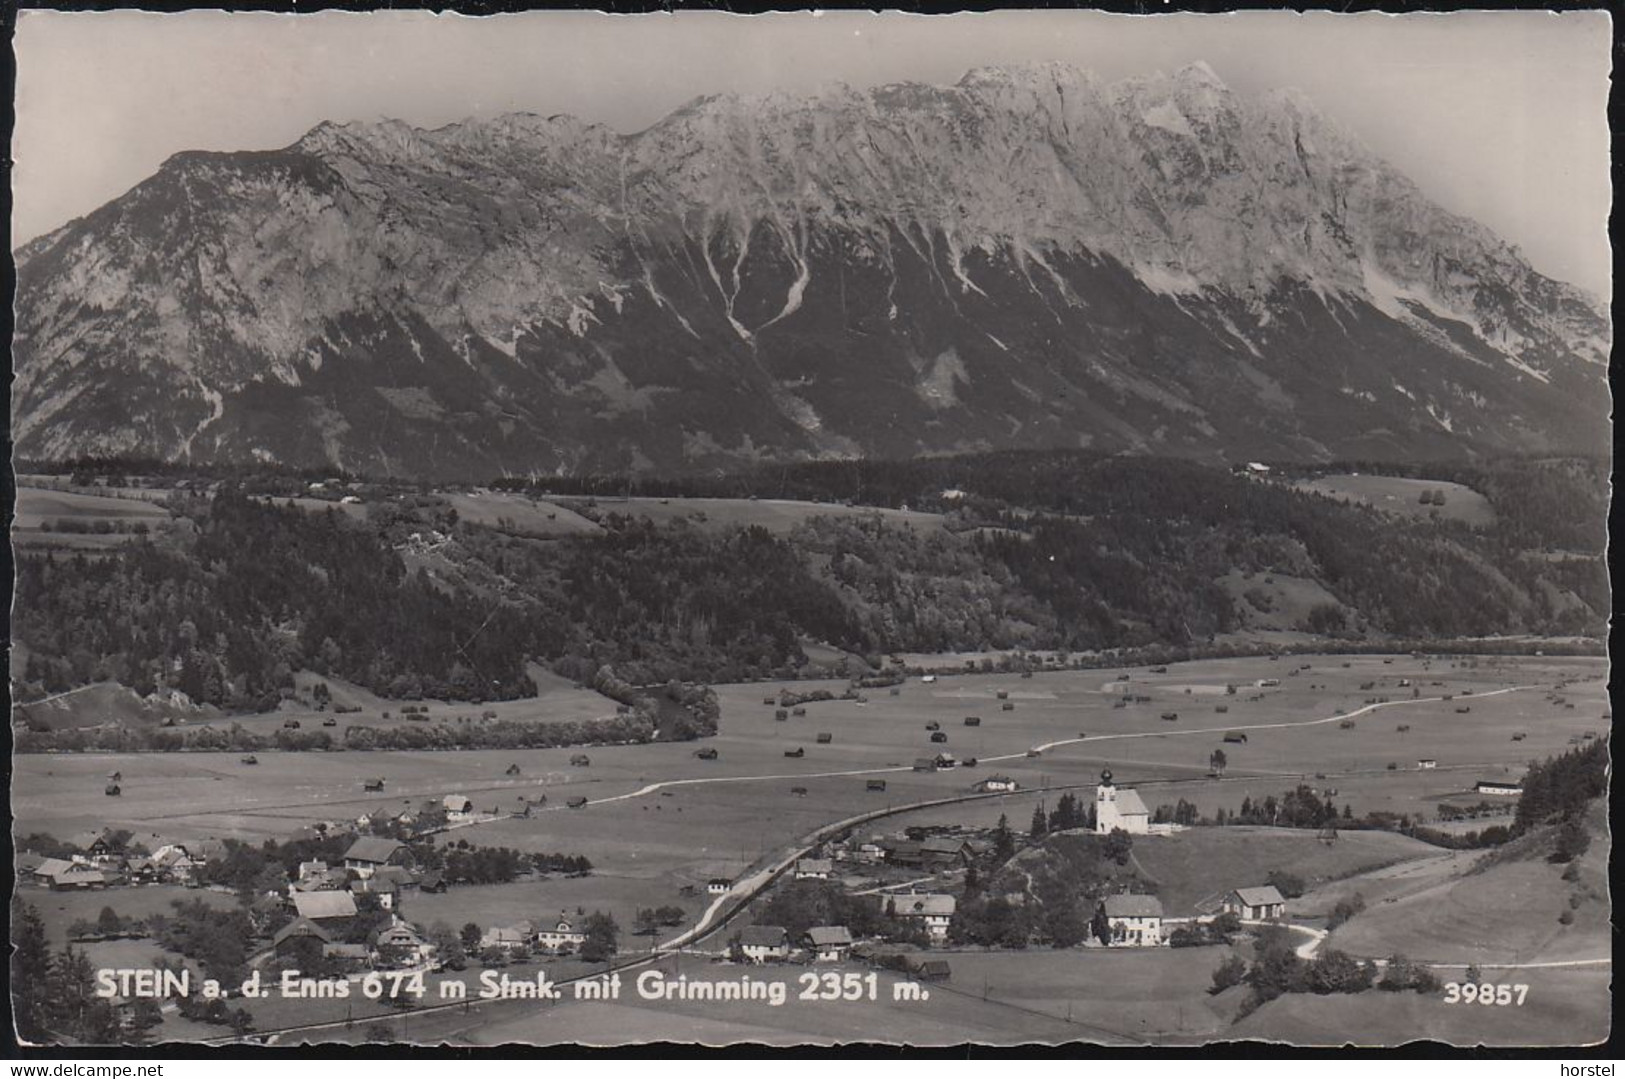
{"points": [[1029, 257]]}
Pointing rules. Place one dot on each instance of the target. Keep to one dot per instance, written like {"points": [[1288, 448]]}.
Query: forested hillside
{"points": [[1039, 551]]}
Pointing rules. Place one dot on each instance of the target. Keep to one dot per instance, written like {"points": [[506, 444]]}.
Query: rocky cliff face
{"points": [[1026, 258]]}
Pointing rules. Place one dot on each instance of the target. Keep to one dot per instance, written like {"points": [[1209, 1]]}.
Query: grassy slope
{"points": [[1507, 911]]}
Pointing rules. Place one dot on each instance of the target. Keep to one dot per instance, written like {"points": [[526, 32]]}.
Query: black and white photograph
{"points": [[808, 530]]}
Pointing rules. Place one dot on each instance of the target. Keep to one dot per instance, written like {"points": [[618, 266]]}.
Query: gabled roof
{"points": [[1129, 803], [372, 848], [1260, 897], [1133, 906], [301, 927], [457, 803], [826, 936], [328, 904], [764, 936], [50, 867], [923, 905], [941, 844]]}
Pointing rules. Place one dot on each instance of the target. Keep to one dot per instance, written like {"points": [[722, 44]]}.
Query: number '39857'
{"points": [[1487, 995]]}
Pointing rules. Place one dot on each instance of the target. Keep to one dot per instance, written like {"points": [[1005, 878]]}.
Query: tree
{"points": [[108, 923], [1040, 824], [30, 973], [1217, 760], [1289, 885], [1004, 840], [470, 937], [645, 924], [603, 937], [448, 946], [1228, 973], [1119, 846]]}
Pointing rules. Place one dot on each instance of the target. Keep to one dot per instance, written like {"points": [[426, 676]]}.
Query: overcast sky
{"points": [[1497, 115]]}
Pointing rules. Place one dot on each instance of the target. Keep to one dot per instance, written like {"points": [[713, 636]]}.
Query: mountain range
{"points": [[1030, 257]]}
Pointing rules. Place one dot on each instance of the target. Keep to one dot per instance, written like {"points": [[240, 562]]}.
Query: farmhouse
{"points": [[1499, 786], [1134, 920], [1255, 904], [814, 869], [904, 852], [507, 938], [63, 876], [1427, 764], [718, 886], [458, 808], [940, 851], [946, 760], [995, 783], [762, 943], [370, 853], [401, 946], [562, 937], [300, 940], [934, 912], [931, 970], [829, 943], [324, 908], [1115, 808]]}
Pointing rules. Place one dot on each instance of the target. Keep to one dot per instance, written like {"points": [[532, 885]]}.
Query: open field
{"points": [[38, 510], [1395, 494], [213, 794], [659, 818], [518, 514], [778, 515]]}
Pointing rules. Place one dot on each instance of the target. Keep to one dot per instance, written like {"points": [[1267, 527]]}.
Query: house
{"points": [[931, 970], [869, 852], [325, 908], [764, 943], [102, 849], [1119, 808], [580, 760], [905, 852], [351, 956], [1499, 786], [933, 912], [400, 946], [370, 853], [513, 770], [940, 851], [718, 886], [373, 784], [508, 938], [388, 892], [814, 869], [828, 943], [875, 785], [458, 808], [995, 783], [431, 880], [563, 937], [1255, 904], [925, 764], [946, 760], [172, 863], [72, 876], [1134, 920], [300, 940]]}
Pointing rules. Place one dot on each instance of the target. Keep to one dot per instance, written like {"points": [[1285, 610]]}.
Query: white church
{"points": [[1121, 807]]}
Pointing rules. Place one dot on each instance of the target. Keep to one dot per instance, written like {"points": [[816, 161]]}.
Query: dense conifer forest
{"points": [[1062, 551]]}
